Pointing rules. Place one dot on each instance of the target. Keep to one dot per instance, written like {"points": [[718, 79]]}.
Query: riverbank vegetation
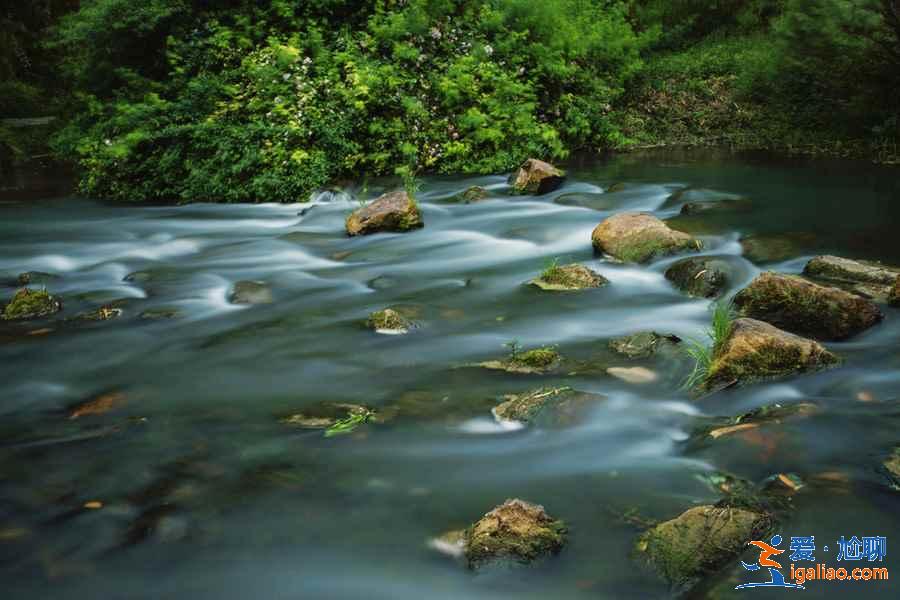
{"points": [[183, 100]]}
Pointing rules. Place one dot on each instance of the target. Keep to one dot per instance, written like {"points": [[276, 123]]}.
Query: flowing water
{"points": [[203, 493]]}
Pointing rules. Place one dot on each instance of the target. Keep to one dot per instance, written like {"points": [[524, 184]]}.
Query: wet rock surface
{"points": [[536, 177], [389, 321], [29, 303], [755, 350], [251, 292], [702, 277], [569, 278], [775, 247], [639, 237], [644, 344], [393, 212], [867, 279], [800, 306], [530, 362], [546, 406], [514, 532]]}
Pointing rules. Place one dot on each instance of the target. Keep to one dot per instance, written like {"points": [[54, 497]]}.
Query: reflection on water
{"points": [[192, 488]]}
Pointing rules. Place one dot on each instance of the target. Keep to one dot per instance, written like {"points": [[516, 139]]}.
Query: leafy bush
{"points": [[250, 103]]}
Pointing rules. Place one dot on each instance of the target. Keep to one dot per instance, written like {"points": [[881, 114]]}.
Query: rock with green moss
{"points": [[800, 306], [755, 350], [251, 292], [104, 313], [639, 237], [30, 304], [389, 322], [560, 278], [36, 278], [476, 193], [702, 277], [516, 532], [323, 415], [536, 177], [536, 361], [867, 279], [643, 344], [391, 212], [546, 406], [700, 541], [716, 206]]}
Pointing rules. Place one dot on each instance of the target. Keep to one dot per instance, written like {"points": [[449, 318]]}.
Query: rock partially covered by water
{"points": [[30, 304], [391, 212], [536, 177], [251, 292], [800, 306], [774, 247], [36, 278], [476, 193], [388, 321], [717, 206], [867, 279], [643, 344], [324, 415], [514, 532], [702, 277], [700, 541], [569, 278], [639, 237], [546, 406], [536, 361], [755, 350]]}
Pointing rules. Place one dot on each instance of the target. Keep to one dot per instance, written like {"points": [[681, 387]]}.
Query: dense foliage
{"points": [[265, 100]]}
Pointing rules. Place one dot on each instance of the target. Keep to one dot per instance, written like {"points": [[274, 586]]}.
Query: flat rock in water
{"points": [[392, 212], [755, 350], [870, 280], [800, 306], [251, 292], [639, 237], [715, 206], [531, 362], [700, 541], [546, 406], [643, 344], [536, 177], [776, 247], [36, 278], [569, 278], [702, 277]]}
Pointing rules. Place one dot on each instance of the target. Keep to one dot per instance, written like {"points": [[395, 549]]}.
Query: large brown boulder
{"points": [[795, 304], [536, 177], [639, 237], [700, 541], [871, 280], [755, 350], [395, 211]]}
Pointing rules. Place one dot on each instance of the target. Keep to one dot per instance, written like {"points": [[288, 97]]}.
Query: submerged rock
{"points": [[550, 406], [36, 278], [388, 321], [536, 361], [156, 314], [514, 532], [251, 292], [536, 177], [643, 344], [775, 247], [633, 374], [702, 277], [391, 212], [30, 304], [764, 415], [98, 405], [569, 278], [800, 306], [700, 541], [756, 350], [870, 280], [476, 193], [894, 293], [104, 313], [717, 206], [325, 415], [639, 237]]}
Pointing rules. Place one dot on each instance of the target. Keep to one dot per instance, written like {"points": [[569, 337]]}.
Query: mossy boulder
{"points": [[546, 406], [643, 344], [514, 532], [536, 177], [30, 304], [388, 321], [702, 277], [639, 237], [700, 541], [36, 278], [391, 212], [867, 279], [800, 306], [755, 350], [569, 278], [251, 292], [536, 361]]}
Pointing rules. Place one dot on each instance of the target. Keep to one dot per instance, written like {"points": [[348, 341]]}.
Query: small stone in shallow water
{"points": [[388, 322], [633, 374], [643, 344], [536, 177], [251, 292], [568, 278], [640, 237], [702, 277], [514, 532], [30, 304], [551, 406], [536, 361], [476, 193]]}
